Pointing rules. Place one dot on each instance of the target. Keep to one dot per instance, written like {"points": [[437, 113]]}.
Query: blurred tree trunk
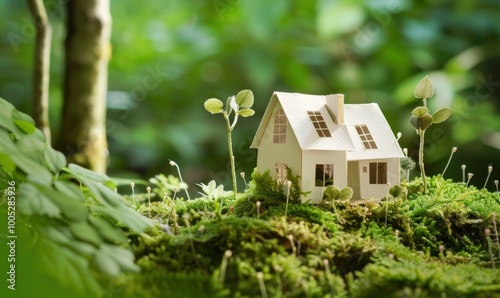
{"points": [[87, 47], [41, 67]]}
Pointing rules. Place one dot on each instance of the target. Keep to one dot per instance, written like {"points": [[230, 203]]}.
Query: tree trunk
{"points": [[41, 67], [87, 47]]}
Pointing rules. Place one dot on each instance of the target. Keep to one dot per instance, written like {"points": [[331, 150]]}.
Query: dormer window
{"points": [[366, 136], [280, 123], [319, 124]]}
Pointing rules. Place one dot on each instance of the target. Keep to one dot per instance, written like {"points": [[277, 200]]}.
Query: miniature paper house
{"points": [[328, 142]]}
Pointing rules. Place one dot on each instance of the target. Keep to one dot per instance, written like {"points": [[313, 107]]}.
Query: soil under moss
{"points": [[414, 245]]}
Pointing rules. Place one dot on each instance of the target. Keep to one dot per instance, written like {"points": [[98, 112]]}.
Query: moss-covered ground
{"points": [[441, 244]]}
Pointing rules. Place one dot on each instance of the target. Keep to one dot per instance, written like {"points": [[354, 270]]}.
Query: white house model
{"points": [[328, 142]]}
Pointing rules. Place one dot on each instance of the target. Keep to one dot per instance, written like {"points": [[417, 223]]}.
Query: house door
{"points": [[353, 179]]}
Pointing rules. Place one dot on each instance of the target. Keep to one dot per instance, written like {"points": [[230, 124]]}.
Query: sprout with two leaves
{"points": [[240, 105], [421, 119]]}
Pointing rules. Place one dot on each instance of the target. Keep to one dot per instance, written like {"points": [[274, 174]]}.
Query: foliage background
{"points": [[169, 56]]}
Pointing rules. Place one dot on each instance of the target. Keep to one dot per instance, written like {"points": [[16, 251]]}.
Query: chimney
{"points": [[335, 103]]}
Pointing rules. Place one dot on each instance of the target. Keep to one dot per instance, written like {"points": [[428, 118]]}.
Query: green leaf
{"points": [[213, 105], [107, 230], [396, 191], [55, 160], [424, 122], [73, 208], [24, 122], [331, 192], [79, 170], [245, 99], [424, 88], [31, 201], [414, 121], [246, 112], [105, 264], [345, 194], [7, 163], [70, 190], [419, 111], [441, 115], [85, 232], [112, 260]]}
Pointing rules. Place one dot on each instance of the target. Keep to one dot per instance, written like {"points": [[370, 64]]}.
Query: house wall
{"points": [[309, 161], [377, 190], [270, 153]]}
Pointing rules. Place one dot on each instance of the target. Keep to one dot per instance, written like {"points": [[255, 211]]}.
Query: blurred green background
{"points": [[169, 56]]}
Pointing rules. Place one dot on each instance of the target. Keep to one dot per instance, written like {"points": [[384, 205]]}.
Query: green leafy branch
{"points": [[241, 106], [421, 119]]}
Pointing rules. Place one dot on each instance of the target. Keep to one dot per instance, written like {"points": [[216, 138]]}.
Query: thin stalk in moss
{"points": [[292, 243], [230, 145], [490, 251], [453, 150], [490, 169], [257, 204], [148, 189], [441, 252], [132, 184], [223, 266], [242, 174], [174, 164], [421, 159], [289, 185], [497, 240], [405, 151], [463, 173], [469, 177], [496, 185], [262, 285], [329, 276], [191, 242]]}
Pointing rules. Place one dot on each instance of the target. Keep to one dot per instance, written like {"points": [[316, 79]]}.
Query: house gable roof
{"points": [[296, 106], [344, 136]]}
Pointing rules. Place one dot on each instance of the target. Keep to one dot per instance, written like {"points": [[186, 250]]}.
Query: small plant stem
{"points": [[225, 258], [453, 150], [294, 249], [405, 150], [463, 173], [490, 169], [421, 156], [497, 240], [133, 193], [191, 243], [469, 176], [173, 163], [289, 185], [148, 189], [329, 276], [490, 251], [257, 204], [231, 156], [242, 174], [498, 193], [262, 285]]}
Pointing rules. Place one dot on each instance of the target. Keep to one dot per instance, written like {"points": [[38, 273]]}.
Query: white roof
{"points": [[344, 136]]}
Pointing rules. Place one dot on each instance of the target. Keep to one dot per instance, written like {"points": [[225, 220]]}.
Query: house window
{"points": [[366, 136], [378, 173], [324, 175], [279, 127], [319, 124], [280, 169]]}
